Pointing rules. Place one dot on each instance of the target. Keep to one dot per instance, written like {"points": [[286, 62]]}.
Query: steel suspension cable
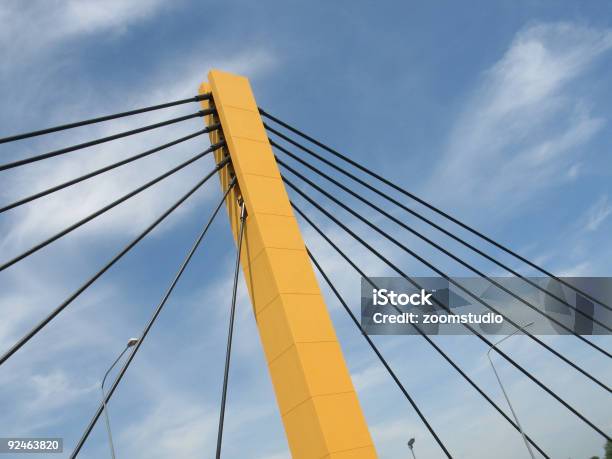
{"points": [[430, 206], [113, 204], [148, 326], [107, 266], [105, 169], [446, 308], [433, 244], [91, 143], [424, 335], [449, 279], [431, 223], [379, 355], [230, 334], [103, 118]]}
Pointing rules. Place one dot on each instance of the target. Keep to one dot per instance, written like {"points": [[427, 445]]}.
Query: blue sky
{"points": [[498, 112]]}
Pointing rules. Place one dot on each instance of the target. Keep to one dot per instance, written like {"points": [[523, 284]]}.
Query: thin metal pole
{"points": [[413, 455], [230, 334], [105, 409], [527, 445]]}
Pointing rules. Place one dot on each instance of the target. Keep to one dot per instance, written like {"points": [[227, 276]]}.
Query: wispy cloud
{"points": [[525, 111], [31, 289], [187, 433], [598, 213], [30, 28], [523, 129], [54, 390], [50, 214]]}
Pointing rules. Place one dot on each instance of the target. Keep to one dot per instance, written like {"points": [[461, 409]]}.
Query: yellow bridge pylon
{"points": [[314, 392]]}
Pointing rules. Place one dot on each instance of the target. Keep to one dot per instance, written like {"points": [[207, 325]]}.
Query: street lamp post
{"points": [[527, 445], [411, 446], [131, 342]]}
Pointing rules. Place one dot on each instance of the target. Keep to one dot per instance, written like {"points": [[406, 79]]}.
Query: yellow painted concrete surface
{"points": [[315, 395]]}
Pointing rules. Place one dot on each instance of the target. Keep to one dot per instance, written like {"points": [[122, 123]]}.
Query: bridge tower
{"points": [[318, 404]]}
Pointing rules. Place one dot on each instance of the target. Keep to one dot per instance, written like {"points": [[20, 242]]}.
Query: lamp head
{"points": [[132, 342], [410, 443]]}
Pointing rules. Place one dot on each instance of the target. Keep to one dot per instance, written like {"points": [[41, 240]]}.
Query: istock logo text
{"points": [[383, 297]]}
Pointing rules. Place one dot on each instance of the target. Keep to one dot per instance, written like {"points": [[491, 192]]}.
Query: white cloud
{"points": [[187, 433], [598, 213], [180, 424], [29, 28], [32, 288], [369, 377], [539, 62], [574, 171], [54, 390], [280, 455], [48, 215], [522, 129]]}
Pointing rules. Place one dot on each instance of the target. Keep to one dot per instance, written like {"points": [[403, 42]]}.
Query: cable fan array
{"points": [[351, 178], [321, 177]]}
